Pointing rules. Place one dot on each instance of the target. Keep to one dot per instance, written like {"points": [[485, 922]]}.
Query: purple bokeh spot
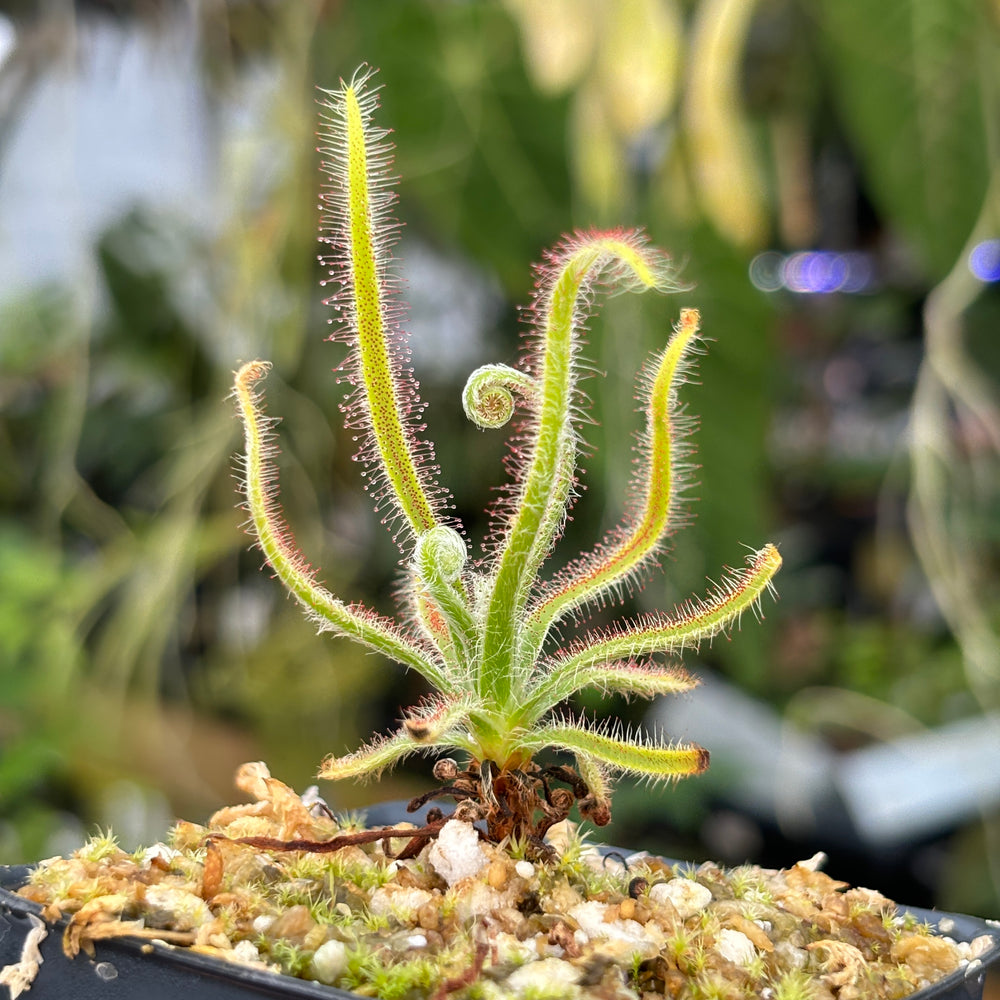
{"points": [[812, 272], [984, 261]]}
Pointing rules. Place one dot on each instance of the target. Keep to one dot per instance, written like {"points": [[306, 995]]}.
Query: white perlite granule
{"points": [[525, 869], [548, 975], [735, 946], [178, 909], [456, 853], [687, 896], [330, 961], [399, 901], [624, 937], [246, 951]]}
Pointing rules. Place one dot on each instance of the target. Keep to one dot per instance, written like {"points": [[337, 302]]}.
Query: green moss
{"points": [[367, 974], [351, 822], [859, 907], [100, 847], [369, 877], [757, 966], [705, 987], [295, 961], [680, 944], [330, 913], [692, 960], [406, 978], [309, 866], [555, 991], [747, 884], [372, 922], [708, 922], [576, 865], [52, 882], [517, 848], [795, 985]]}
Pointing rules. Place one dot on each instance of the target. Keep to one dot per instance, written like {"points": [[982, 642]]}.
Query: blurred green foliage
{"points": [[139, 640], [912, 85]]}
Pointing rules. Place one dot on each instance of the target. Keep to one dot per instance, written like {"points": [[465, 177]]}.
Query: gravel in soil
{"points": [[469, 919]]}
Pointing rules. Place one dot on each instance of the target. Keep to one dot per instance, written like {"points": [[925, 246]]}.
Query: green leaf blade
{"points": [[658, 761], [688, 626], [632, 545], [276, 542], [359, 227], [624, 261]]}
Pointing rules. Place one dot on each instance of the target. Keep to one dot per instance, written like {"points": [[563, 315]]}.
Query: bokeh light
{"points": [[8, 38], [984, 261], [766, 271], [812, 272]]}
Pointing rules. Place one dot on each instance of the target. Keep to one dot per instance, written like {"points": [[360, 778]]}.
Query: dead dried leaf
{"points": [[20, 975], [212, 871]]}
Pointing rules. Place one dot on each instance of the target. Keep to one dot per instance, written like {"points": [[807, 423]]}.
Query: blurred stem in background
{"points": [[955, 460]]}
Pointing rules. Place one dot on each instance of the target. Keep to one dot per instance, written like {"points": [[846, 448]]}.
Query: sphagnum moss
{"points": [[593, 927], [525, 909]]}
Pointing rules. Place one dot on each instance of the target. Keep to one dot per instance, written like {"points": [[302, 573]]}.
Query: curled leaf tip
{"points": [[251, 372], [488, 397]]}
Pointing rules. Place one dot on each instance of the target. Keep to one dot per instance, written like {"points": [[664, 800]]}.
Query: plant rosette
{"points": [[500, 897]]}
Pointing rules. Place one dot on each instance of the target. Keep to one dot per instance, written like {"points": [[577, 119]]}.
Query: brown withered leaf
{"points": [[844, 965], [211, 876]]}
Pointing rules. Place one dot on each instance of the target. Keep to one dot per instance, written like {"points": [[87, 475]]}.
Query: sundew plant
{"points": [[482, 631]]}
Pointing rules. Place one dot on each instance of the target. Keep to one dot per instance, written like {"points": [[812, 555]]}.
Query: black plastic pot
{"points": [[137, 969], [132, 968]]}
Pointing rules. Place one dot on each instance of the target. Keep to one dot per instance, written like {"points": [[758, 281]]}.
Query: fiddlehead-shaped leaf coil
{"points": [[441, 554], [488, 397]]}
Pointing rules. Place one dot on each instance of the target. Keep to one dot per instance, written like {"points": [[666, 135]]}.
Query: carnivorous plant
{"points": [[481, 631]]}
